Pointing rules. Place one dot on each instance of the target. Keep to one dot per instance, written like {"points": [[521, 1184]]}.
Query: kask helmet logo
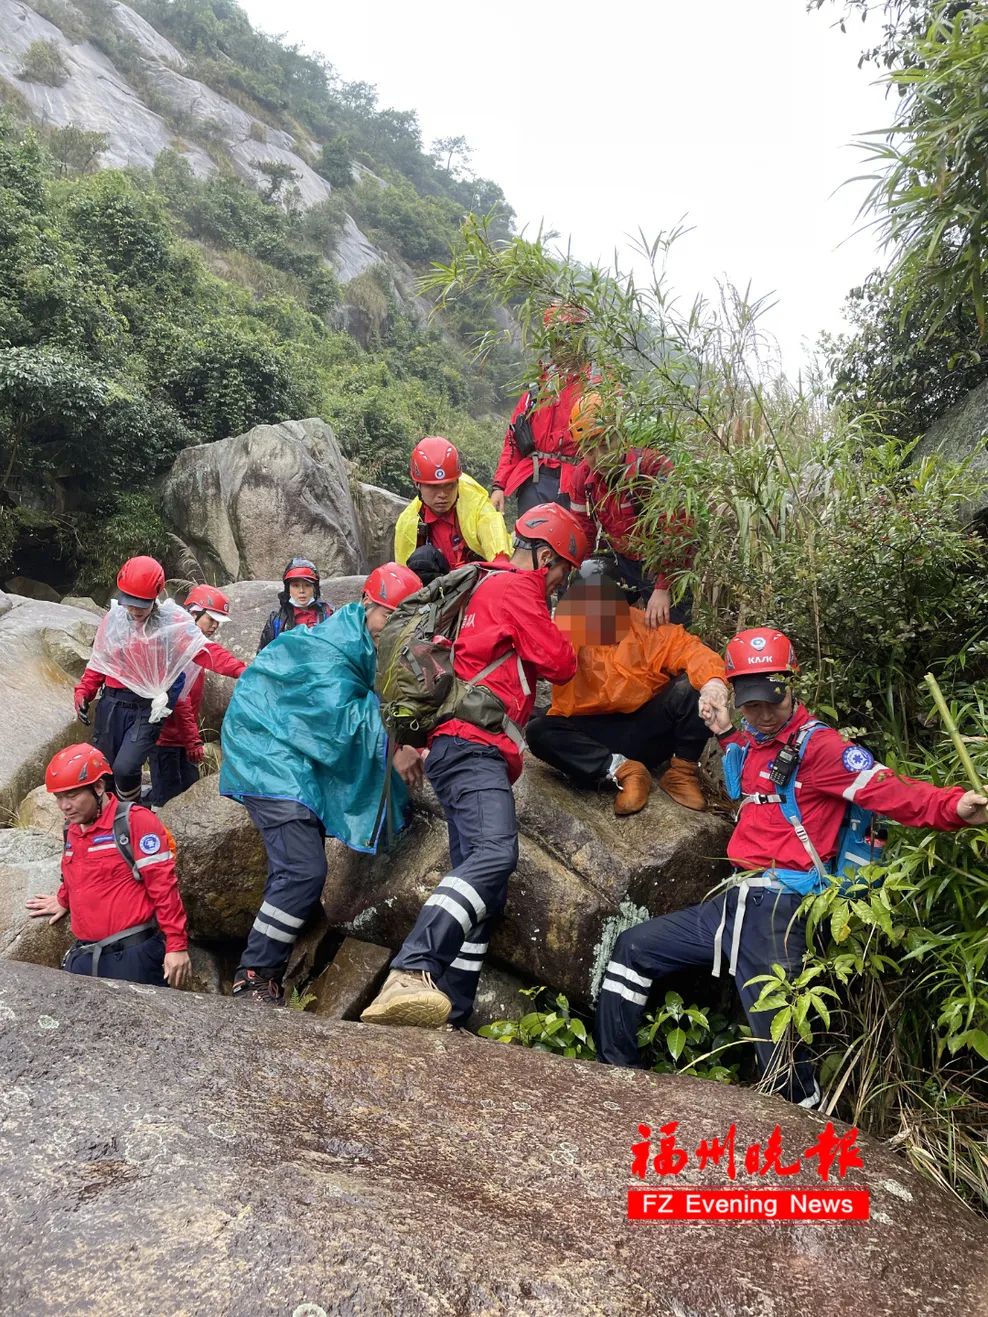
{"points": [[440, 473], [757, 642]]}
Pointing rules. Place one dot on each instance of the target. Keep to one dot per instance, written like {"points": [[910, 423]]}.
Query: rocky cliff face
{"points": [[96, 95]]}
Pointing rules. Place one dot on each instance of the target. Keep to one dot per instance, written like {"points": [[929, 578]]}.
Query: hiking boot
{"points": [[681, 781], [409, 997], [251, 986], [634, 784]]}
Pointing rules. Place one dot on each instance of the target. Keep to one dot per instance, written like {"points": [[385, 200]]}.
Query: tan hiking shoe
{"points": [[681, 781], [634, 783], [409, 997]]}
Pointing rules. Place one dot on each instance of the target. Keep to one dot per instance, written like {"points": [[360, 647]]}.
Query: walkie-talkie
{"points": [[784, 764]]}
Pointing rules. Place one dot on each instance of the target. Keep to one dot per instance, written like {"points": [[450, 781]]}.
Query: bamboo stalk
{"points": [[955, 736]]}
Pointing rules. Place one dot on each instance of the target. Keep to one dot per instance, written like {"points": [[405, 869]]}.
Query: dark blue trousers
{"points": [[686, 938], [140, 963], [451, 935], [543, 490], [633, 574], [172, 772], [125, 736], [295, 842]]}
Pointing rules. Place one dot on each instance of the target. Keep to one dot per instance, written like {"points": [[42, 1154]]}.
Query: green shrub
{"points": [[76, 149], [557, 1030], [44, 62], [687, 1040]]}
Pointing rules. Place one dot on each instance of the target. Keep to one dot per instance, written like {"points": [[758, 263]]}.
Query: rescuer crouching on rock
{"points": [[807, 799], [118, 879]]}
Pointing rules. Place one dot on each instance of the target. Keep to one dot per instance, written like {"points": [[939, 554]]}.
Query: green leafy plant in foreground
{"points": [[688, 1040], [556, 1030]]}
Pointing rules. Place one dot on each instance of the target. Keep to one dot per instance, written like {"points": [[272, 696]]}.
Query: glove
{"points": [[159, 708], [82, 709], [714, 705], [195, 753]]}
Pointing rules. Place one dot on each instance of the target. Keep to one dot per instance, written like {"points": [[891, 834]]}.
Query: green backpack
{"points": [[415, 680]]}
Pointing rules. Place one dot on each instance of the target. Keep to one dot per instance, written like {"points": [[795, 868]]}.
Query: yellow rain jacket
{"points": [[621, 678], [481, 525]]}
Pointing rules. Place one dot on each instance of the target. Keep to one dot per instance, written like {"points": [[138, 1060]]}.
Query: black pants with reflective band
{"points": [[125, 736], [172, 772], [643, 954], [138, 963], [669, 724], [296, 849], [450, 936]]}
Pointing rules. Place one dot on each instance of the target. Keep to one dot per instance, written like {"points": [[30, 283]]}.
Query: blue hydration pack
{"points": [[858, 843]]}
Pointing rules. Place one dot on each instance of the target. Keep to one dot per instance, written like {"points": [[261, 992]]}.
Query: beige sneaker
{"points": [[409, 997]]}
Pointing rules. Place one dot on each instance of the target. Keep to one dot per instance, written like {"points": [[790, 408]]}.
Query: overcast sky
{"points": [[603, 118]]}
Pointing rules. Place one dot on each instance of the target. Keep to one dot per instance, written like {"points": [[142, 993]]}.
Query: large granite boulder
{"points": [[43, 650], [270, 1163], [244, 505], [251, 603], [583, 875], [30, 866], [221, 861], [961, 435], [377, 511]]}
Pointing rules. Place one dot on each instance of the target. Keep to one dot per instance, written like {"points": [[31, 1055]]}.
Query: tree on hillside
{"points": [[452, 154]]}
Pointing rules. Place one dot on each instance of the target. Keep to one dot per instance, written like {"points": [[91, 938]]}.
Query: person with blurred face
{"points": [[299, 603], [634, 702], [539, 456], [506, 642], [174, 759], [304, 751], [451, 521], [796, 780], [126, 911]]}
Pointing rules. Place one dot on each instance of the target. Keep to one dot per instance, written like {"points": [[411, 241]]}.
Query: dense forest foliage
{"points": [[144, 311]]}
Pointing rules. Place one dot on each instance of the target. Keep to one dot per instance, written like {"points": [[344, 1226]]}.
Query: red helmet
{"points": [[76, 766], [434, 461], [754, 658], [140, 581], [391, 584], [564, 313], [558, 527], [300, 569], [207, 599]]}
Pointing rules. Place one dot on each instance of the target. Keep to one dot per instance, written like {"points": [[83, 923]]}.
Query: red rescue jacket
{"points": [[832, 773], [617, 510], [553, 442], [100, 890], [182, 729], [508, 610]]}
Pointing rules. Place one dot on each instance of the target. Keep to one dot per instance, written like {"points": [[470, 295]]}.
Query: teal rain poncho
{"points": [[304, 724]]}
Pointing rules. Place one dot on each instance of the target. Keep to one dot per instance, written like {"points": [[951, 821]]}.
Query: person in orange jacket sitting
{"points": [[539, 455], [174, 759], [634, 702]]}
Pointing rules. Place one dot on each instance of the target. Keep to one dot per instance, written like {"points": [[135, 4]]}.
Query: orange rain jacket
{"points": [[620, 678]]}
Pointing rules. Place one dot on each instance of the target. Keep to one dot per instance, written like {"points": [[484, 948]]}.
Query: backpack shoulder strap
{"points": [[121, 836], [790, 806]]}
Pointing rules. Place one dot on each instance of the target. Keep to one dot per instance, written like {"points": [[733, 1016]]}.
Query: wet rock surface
{"points": [[30, 866], [178, 1153], [43, 649], [960, 436], [350, 981]]}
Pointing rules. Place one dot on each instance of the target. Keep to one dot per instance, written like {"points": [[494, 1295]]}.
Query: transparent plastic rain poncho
{"points": [[148, 657]]}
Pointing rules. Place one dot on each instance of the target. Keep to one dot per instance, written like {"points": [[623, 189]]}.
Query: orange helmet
{"points": [[207, 599], [584, 422], [391, 584], [76, 766], [557, 527], [758, 661], [434, 461], [564, 313], [140, 581]]}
